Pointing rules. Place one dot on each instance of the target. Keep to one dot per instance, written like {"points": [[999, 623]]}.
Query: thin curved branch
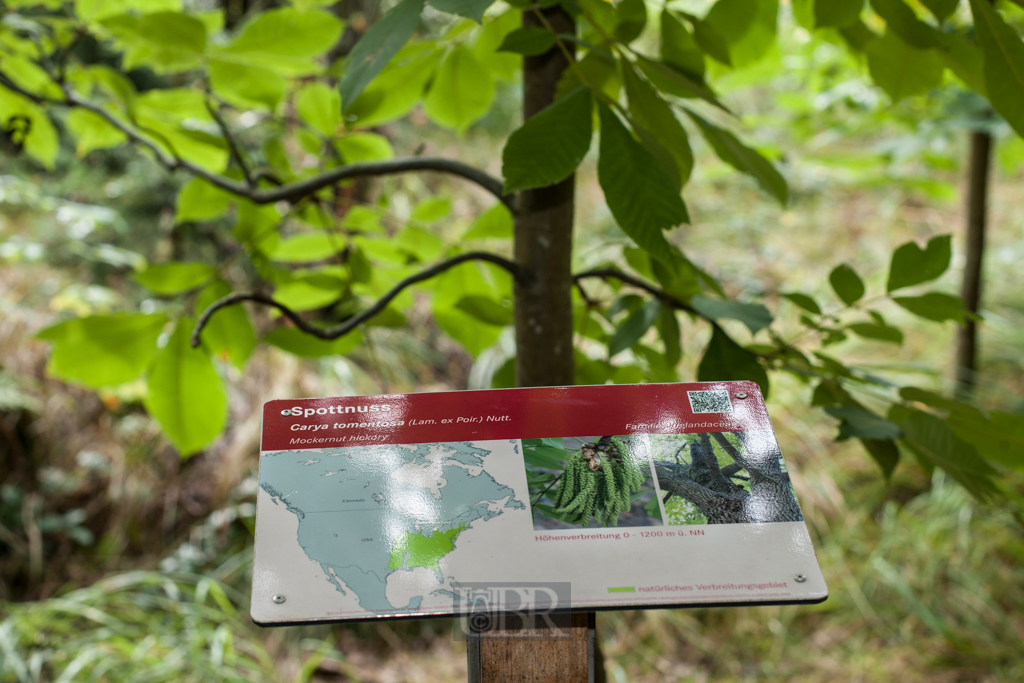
{"points": [[293, 192], [290, 192], [331, 333], [297, 190], [233, 148], [663, 297]]}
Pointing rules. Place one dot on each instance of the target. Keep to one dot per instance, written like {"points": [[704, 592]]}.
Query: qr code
{"points": [[710, 401]]}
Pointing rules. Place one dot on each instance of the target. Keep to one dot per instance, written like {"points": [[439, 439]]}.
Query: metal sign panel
{"points": [[612, 497]]}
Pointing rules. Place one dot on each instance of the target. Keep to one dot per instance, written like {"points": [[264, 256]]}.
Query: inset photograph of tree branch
{"points": [[723, 478], [589, 482]]}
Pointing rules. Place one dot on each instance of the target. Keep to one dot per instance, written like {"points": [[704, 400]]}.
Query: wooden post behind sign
{"points": [[507, 656]]}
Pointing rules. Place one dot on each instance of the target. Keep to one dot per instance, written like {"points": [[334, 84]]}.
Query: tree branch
{"points": [[350, 324], [733, 452], [612, 273], [236, 153], [293, 191], [290, 192]]}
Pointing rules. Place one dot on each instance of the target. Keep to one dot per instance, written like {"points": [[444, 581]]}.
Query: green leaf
{"points": [[503, 65], [631, 17], [912, 265], [486, 309], [643, 198], [185, 394], [451, 287], [356, 148], [531, 40], [29, 76], [709, 39], [862, 424], [29, 126], [747, 26], [903, 21], [599, 72], [875, 331], [389, 317], [246, 85], [941, 9], [296, 342], [102, 350], [198, 200], [505, 376], [175, 277], [964, 59], [634, 327], [398, 89], [466, 329], [378, 45], [934, 306], [256, 226], [836, 13], [166, 42], [744, 159], [679, 49], [310, 291], [677, 83], [932, 438], [846, 284], [803, 301], [178, 121], [544, 456], [886, 453], [668, 328], [755, 316], [902, 70], [319, 106], [598, 13], [284, 40], [724, 360], [228, 333], [471, 9], [421, 245], [998, 436], [362, 219], [652, 113], [92, 131], [308, 247], [462, 91], [549, 145], [494, 223], [432, 210], [1004, 63]]}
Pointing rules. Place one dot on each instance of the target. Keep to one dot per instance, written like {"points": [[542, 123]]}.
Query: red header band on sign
{"points": [[531, 413]]}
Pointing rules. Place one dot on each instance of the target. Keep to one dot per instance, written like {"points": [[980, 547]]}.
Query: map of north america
{"points": [[365, 512]]}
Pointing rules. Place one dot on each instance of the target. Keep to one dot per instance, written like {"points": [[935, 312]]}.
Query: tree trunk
{"points": [[543, 239], [977, 210], [544, 357], [703, 483]]}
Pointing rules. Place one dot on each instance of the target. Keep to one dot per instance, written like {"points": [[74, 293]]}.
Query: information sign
{"points": [[611, 497]]}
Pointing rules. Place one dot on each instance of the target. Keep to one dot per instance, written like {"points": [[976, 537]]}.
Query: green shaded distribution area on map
{"points": [[421, 550], [366, 512]]}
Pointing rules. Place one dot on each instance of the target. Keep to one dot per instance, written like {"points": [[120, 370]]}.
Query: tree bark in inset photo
{"points": [[714, 491]]}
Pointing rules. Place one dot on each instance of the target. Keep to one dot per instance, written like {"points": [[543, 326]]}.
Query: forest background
{"points": [[814, 145]]}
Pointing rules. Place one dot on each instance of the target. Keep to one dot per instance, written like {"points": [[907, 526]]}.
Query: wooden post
{"points": [[517, 655]]}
